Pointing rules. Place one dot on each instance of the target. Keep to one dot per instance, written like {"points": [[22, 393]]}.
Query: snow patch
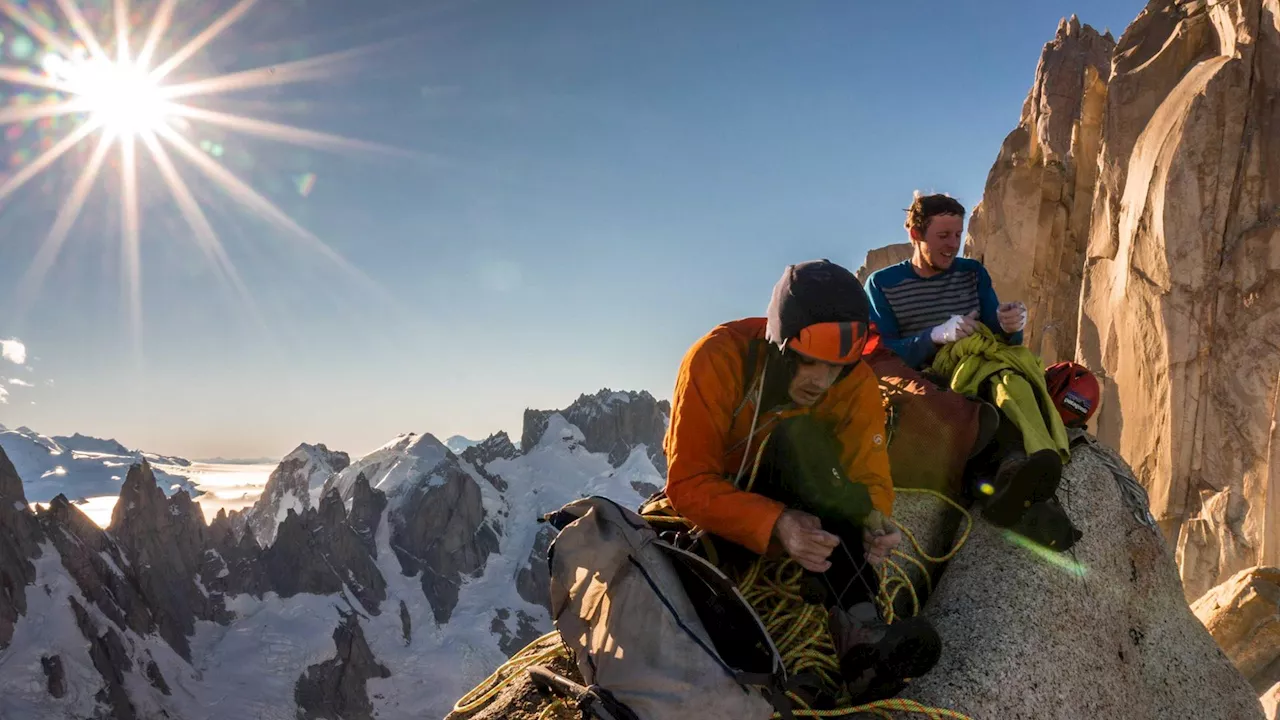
{"points": [[249, 668], [48, 628]]}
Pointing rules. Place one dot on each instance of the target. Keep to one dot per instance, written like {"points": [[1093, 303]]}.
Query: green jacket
{"points": [[1012, 378]]}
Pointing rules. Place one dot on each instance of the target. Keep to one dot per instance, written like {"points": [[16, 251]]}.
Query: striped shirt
{"points": [[920, 303], [906, 307]]}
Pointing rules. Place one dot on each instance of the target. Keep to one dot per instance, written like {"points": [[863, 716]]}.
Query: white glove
{"points": [[1013, 317], [957, 327]]}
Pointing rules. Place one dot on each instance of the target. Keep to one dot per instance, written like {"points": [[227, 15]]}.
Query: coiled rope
{"points": [[798, 628]]}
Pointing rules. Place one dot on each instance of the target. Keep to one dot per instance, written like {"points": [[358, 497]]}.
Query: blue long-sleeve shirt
{"points": [[906, 307]]}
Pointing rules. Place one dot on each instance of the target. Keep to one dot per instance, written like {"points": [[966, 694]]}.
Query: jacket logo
{"points": [[877, 440]]}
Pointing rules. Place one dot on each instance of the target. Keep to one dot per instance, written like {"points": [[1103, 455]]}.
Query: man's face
{"points": [[811, 380], [940, 241]]}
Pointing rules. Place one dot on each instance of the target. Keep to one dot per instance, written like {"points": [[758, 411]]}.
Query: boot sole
{"points": [[909, 649], [1034, 482], [911, 654]]}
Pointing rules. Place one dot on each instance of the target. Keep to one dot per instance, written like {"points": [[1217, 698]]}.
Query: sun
{"points": [[119, 95], [123, 93]]}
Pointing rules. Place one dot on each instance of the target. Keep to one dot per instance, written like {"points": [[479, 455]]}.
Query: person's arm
{"points": [[915, 350], [863, 441], [989, 307], [706, 395]]}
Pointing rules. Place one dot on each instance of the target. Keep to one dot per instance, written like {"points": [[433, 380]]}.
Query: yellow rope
{"points": [[551, 709], [800, 632], [799, 629], [508, 671]]}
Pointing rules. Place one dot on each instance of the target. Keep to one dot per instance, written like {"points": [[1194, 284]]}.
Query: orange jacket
{"points": [[704, 443]]}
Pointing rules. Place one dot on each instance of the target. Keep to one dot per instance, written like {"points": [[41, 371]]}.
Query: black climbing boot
{"points": [[1046, 523], [1020, 482], [877, 658]]}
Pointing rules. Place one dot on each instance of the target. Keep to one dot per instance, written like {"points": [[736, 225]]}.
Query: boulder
{"points": [[1032, 226], [1100, 631], [1243, 615], [1180, 289]]}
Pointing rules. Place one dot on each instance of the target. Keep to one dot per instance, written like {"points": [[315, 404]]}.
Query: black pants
{"points": [[983, 466], [802, 445]]}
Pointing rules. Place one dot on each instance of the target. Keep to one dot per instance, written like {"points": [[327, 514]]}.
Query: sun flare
{"points": [[119, 95], [129, 106]]}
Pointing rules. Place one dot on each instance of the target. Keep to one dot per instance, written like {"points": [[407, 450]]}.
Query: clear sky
{"points": [[587, 186]]}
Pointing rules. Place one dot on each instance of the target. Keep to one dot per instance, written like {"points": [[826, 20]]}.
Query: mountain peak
{"points": [[297, 484], [459, 444], [612, 422]]}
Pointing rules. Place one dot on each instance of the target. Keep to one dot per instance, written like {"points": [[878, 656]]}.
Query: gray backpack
{"points": [[657, 628]]}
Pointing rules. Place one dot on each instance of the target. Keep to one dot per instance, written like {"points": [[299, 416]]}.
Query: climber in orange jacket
{"points": [[785, 400]]}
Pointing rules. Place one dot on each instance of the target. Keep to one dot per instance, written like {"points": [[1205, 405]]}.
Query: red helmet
{"points": [[1074, 391]]}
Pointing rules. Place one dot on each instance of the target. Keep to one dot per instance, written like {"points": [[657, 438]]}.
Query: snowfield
{"points": [[249, 668]]}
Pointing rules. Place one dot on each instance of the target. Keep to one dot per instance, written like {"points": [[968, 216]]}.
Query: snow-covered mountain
{"points": [[414, 573], [457, 444], [82, 467], [295, 484]]}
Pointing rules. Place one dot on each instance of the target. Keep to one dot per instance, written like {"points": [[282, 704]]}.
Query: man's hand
{"points": [[1013, 317], [957, 327], [802, 537], [879, 545], [879, 537]]}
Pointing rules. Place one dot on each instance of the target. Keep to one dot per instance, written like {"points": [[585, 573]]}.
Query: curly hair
{"points": [[925, 207]]}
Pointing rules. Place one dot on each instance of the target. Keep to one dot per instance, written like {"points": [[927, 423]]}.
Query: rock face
{"points": [[324, 551], [1243, 614], [19, 543], [883, 257], [612, 423], [1115, 637], [440, 531], [164, 539], [295, 484], [495, 447], [335, 689], [533, 582], [55, 674], [1180, 285], [1032, 226]]}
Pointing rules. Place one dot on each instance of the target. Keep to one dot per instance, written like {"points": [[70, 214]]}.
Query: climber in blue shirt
{"points": [[935, 298]]}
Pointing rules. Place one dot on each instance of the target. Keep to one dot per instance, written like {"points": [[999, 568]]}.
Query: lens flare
{"points": [[120, 101]]}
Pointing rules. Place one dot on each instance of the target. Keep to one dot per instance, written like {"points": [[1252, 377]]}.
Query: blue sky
{"points": [[588, 186]]}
